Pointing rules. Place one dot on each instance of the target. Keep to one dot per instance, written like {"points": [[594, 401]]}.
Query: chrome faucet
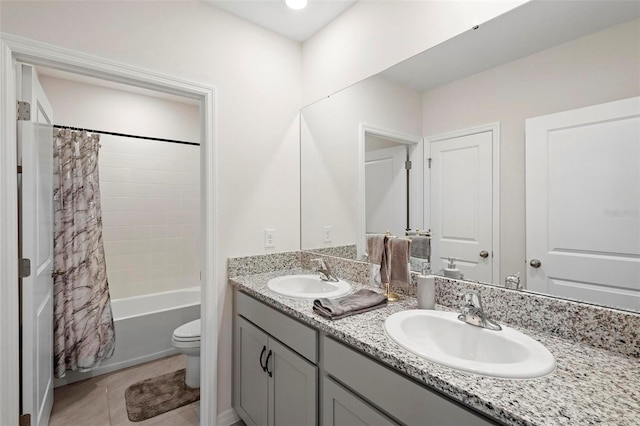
{"points": [[473, 314], [325, 272], [512, 281]]}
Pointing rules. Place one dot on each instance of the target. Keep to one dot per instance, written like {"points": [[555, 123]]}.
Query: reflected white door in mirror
{"points": [[583, 204], [463, 181], [386, 190]]}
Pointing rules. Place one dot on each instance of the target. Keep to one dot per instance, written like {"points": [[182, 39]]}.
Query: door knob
{"points": [[484, 254], [535, 263]]}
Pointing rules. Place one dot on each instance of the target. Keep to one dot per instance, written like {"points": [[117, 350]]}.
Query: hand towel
{"points": [[376, 244], [398, 260], [420, 246], [361, 301]]}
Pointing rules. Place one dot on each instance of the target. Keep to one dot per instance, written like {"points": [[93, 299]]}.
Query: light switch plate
{"points": [[326, 234], [269, 238]]}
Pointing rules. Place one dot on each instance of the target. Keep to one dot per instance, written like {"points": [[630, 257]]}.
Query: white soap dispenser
{"points": [[426, 288], [451, 271]]}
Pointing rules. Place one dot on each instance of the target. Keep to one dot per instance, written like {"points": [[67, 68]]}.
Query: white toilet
{"points": [[186, 339]]}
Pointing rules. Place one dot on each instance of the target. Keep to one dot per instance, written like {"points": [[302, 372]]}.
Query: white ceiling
{"points": [[274, 15], [530, 28]]}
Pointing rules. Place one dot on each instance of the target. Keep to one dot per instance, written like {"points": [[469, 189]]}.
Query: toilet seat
{"points": [[189, 332], [186, 340]]}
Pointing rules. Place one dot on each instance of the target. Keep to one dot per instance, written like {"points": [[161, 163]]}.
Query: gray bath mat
{"points": [[152, 397]]}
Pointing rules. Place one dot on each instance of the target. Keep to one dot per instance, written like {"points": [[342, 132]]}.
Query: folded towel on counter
{"points": [[398, 251], [420, 246], [358, 302]]}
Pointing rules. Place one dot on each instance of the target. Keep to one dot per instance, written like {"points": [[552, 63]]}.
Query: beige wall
{"points": [[598, 68], [258, 79], [329, 153], [371, 36]]}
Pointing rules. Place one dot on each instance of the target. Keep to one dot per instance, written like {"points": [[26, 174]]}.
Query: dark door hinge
{"points": [[25, 268], [24, 111]]}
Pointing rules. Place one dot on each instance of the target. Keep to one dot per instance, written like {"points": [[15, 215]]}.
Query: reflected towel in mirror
{"points": [[420, 246], [398, 250], [376, 244]]}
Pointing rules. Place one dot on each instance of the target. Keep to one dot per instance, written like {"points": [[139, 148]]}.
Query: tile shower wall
{"points": [[150, 195]]}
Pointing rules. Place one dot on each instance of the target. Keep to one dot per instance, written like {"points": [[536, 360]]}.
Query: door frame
{"points": [[416, 192], [14, 48], [495, 218]]}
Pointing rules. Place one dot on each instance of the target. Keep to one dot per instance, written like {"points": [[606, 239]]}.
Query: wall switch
{"points": [[269, 238], [326, 234]]}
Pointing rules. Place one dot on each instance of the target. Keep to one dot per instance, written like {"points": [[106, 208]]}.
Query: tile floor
{"points": [[99, 401]]}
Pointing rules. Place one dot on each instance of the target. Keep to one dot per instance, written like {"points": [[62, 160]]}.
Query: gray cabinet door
{"points": [[342, 408], [408, 402], [251, 381], [293, 388]]}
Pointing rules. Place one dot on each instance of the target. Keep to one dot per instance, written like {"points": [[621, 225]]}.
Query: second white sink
{"points": [[442, 338], [308, 287]]}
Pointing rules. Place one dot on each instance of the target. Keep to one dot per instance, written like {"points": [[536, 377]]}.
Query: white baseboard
{"points": [[228, 418]]}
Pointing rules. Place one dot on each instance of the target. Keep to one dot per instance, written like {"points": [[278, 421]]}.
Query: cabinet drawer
{"points": [[299, 337], [402, 398]]}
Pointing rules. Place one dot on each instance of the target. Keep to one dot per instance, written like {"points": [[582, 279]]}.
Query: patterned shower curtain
{"points": [[83, 324]]}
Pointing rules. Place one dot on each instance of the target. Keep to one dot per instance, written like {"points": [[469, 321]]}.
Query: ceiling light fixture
{"points": [[296, 4]]}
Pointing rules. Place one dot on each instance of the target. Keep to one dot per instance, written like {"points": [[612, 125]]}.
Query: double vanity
{"points": [[294, 367]]}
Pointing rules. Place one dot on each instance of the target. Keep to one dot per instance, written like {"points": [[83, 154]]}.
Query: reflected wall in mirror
{"points": [[542, 58], [333, 138]]}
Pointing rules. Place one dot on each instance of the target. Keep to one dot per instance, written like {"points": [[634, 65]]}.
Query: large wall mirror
{"points": [[533, 115]]}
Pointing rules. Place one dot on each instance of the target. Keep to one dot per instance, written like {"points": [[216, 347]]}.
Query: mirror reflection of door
{"points": [[462, 203], [583, 204], [386, 185]]}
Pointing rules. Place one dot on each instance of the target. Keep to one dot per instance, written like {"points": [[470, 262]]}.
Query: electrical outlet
{"points": [[269, 238], [326, 234]]}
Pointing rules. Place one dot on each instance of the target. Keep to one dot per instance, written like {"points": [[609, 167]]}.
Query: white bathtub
{"points": [[144, 325]]}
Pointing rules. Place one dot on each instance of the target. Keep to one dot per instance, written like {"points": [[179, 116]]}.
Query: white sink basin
{"points": [[442, 338], [308, 287]]}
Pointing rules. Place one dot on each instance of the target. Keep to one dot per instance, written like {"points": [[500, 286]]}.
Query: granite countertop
{"points": [[589, 386]]}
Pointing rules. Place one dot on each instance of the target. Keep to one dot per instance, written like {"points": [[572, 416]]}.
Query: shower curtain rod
{"points": [[125, 135]]}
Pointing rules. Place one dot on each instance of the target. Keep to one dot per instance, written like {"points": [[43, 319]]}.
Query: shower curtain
{"points": [[83, 323]]}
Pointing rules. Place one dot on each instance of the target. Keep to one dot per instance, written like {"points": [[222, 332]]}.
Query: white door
{"points": [[583, 203], [35, 137], [461, 204], [386, 190]]}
